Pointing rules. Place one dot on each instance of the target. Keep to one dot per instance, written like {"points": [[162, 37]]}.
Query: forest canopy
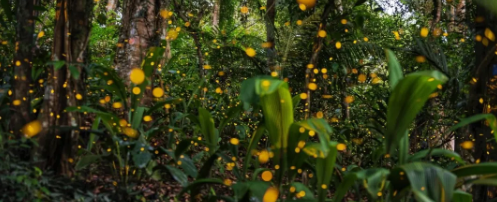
{"points": [[248, 100]]}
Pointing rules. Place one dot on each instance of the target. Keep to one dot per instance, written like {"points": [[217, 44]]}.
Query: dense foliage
{"points": [[228, 100]]}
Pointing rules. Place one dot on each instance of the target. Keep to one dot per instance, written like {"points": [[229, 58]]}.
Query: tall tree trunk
{"points": [[111, 5], [215, 14], [316, 49], [22, 65], [484, 61], [194, 32], [71, 35], [139, 32], [270, 29]]}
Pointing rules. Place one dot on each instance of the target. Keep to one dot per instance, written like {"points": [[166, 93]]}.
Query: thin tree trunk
{"points": [[316, 48], [22, 67], [194, 33], [270, 36], [111, 5], [71, 35], [215, 14], [437, 11]]}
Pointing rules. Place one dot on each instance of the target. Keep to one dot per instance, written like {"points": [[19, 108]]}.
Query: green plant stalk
{"points": [[324, 170], [278, 114]]}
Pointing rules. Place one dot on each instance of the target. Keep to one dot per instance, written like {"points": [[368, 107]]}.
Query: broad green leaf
{"points": [[486, 168], [277, 107], [86, 160], [344, 186], [117, 88], [74, 72], [182, 147], [489, 5], [436, 152], [258, 188], [240, 189], [188, 166], [488, 182], [427, 181], [301, 187], [178, 175], [207, 166], [490, 118], [276, 102], [404, 148], [296, 157], [142, 158], [461, 196], [94, 126], [208, 129], [406, 100], [58, 64], [324, 170], [151, 60], [137, 117], [321, 128], [296, 100], [373, 180], [394, 69]]}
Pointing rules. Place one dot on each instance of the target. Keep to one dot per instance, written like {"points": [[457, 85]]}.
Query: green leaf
{"points": [[301, 187], [232, 113], [359, 2], [461, 196], [152, 60], [142, 158], [137, 117], [487, 182], [490, 118], [428, 182], [486, 168], [200, 182], [7, 6], [373, 180], [58, 64], [296, 100], [86, 160], [252, 145], [324, 169], [74, 72], [94, 126], [178, 175], [208, 129], [294, 158], [276, 102], [406, 100], [436, 152], [258, 188], [489, 5], [394, 69], [182, 147], [161, 104], [342, 189], [404, 148], [323, 130], [188, 166], [207, 166]]}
